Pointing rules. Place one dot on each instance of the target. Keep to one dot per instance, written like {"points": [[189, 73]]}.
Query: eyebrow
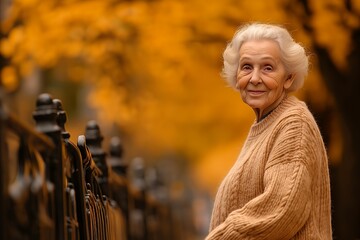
{"points": [[262, 58]]}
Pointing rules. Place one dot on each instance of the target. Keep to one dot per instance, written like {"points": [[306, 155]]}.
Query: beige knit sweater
{"points": [[279, 186]]}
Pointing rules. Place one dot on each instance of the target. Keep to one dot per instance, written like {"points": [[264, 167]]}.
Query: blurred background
{"points": [[149, 72]]}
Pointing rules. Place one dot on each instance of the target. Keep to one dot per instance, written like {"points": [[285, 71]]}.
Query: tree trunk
{"points": [[345, 87]]}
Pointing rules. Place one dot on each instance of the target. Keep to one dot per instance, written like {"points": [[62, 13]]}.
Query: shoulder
{"points": [[296, 112], [295, 124], [297, 133], [297, 121], [289, 119]]}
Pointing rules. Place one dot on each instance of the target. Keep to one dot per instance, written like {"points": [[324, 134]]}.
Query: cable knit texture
{"points": [[279, 186]]}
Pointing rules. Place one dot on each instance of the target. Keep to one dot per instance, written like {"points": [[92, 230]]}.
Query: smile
{"points": [[255, 92]]}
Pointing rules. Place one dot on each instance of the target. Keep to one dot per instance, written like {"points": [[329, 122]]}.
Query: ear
{"points": [[289, 81]]}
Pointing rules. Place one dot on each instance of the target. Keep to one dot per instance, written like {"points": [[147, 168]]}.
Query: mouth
{"points": [[255, 92]]}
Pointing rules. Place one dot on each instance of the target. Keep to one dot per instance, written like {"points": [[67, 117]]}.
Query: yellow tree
{"points": [[152, 68], [143, 61]]}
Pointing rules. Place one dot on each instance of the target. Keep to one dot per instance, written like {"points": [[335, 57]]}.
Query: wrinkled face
{"points": [[261, 77]]}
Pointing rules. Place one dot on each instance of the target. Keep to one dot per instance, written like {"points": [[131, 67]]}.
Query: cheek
{"points": [[271, 83], [242, 81]]}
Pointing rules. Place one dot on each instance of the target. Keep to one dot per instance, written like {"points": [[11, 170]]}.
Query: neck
{"points": [[262, 113]]}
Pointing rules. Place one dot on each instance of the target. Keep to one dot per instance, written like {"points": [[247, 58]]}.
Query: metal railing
{"points": [[52, 188]]}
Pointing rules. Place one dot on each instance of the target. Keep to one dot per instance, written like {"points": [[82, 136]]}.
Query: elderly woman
{"points": [[279, 186]]}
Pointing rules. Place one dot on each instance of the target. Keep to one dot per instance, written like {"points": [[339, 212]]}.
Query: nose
{"points": [[255, 77]]}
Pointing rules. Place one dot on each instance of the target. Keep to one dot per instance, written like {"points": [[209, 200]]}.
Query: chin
{"points": [[254, 104]]}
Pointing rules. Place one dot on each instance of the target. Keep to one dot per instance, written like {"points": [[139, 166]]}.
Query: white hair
{"points": [[292, 54]]}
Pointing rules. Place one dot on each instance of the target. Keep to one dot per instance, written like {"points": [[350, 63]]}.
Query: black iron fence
{"points": [[52, 188]]}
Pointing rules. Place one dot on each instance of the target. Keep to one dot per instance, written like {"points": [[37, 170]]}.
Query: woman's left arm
{"points": [[278, 213], [285, 204]]}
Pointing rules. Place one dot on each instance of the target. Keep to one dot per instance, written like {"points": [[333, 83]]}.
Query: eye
{"points": [[246, 67], [268, 68]]}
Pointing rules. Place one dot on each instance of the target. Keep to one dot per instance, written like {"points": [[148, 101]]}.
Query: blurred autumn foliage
{"points": [[150, 69]]}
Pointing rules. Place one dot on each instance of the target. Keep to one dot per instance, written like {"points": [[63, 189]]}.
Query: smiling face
{"points": [[261, 77]]}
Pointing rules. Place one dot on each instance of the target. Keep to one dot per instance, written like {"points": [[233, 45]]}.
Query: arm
{"points": [[284, 206], [278, 213]]}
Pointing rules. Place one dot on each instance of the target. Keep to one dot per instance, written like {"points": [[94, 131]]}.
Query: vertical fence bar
{"points": [[94, 140], [138, 219], [3, 180], [120, 192], [77, 172], [45, 116]]}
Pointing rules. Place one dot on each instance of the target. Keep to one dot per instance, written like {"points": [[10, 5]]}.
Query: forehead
{"points": [[260, 48]]}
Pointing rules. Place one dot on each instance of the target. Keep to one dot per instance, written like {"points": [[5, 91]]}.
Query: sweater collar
{"points": [[259, 127]]}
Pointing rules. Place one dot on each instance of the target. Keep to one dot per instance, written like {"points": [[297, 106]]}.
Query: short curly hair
{"points": [[293, 55]]}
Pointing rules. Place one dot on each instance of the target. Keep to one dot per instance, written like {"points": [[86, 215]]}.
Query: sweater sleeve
{"points": [[278, 213], [283, 207]]}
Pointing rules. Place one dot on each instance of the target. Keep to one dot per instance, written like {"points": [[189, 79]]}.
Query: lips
{"points": [[255, 92]]}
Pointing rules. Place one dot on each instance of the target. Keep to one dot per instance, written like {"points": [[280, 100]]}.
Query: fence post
{"points": [[77, 172], [94, 140], [3, 177], [121, 192], [45, 116], [138, 204]]}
